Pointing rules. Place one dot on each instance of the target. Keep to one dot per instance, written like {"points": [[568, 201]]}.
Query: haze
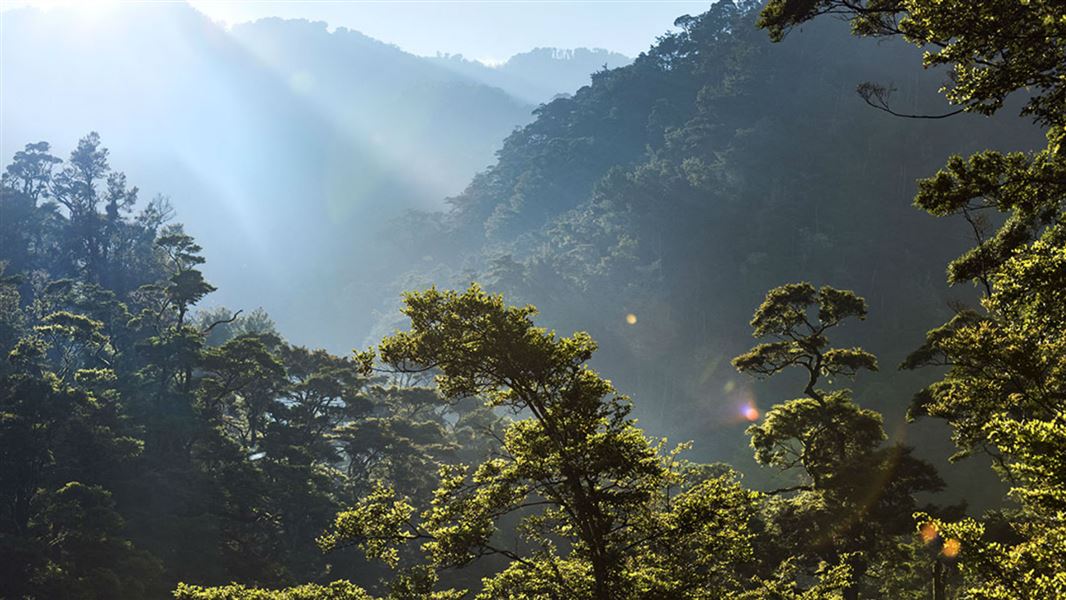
{"points": [[738, 300], [487, 31]]}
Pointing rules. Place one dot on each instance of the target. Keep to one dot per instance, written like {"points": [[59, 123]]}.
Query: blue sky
{"points": [[487, 30]]}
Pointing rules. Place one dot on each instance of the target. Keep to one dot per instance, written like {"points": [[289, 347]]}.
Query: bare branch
{"points": [[208, 329], [877, 95]]}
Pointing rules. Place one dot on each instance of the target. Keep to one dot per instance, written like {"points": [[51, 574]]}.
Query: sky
{"points": [[487, 30]]}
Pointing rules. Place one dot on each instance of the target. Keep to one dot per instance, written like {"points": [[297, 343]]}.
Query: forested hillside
{"points": [[145, 442], [826, 291], [680, 188], [541, 74], [282, 143]]}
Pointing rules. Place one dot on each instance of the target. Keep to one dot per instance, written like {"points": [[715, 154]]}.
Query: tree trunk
{"points": [[939, 591], [858, 570], [602, 588]]}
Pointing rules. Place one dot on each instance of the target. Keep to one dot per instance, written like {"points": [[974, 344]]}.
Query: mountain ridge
{"points": [[535, 75]]}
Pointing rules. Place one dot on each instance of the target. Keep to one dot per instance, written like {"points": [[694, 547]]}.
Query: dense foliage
{"points": [[144, 442], [1003, 393], [149, 447]]}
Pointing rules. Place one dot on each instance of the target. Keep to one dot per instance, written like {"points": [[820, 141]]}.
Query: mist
{"points": [[771, 309], [289, 146]]}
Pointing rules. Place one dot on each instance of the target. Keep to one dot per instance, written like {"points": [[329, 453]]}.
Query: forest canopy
{"points": [[153, 447]]}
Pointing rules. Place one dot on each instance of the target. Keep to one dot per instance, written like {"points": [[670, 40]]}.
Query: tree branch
{"points": [[208, 329], [877, 95]]}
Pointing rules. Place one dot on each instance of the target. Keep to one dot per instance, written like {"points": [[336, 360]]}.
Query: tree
{"points": [[87, 555], [241, 386], [92, 239], [219, 325], [855, 496], [603, 511], [339, 590], [994, 48], [62, 436], [1002, 393], [130, 421], [401, 438], [25, 183]]}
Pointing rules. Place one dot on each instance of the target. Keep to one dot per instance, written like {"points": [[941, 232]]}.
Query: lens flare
{"points": [[951, 548], [928, 532], [751, 413], [631, 319]]}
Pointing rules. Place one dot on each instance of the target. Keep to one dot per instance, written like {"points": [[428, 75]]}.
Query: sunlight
{"points": [[89, 14], [232, 231], [363, 137], [86, 7]]}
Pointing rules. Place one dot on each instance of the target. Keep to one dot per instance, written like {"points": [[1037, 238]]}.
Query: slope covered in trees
{"points": [[541, 74], [718, 165], [282, 143], [142, 441], [151, 448]]}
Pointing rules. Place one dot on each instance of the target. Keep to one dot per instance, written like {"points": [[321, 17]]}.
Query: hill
{"points": [[539, 75], [680, 188], [282, 144]]}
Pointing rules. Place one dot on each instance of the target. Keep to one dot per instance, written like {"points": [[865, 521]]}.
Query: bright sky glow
{"points": [[488, 30], [89, 10]]}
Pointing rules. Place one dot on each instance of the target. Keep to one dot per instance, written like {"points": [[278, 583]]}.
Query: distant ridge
{"points": [[281, 143], [541, 74]]}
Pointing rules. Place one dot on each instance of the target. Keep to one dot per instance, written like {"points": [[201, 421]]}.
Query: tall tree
{"points": [[24, 224], [603, 511], [1003, 392], [855, 497], [63, 437]]}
